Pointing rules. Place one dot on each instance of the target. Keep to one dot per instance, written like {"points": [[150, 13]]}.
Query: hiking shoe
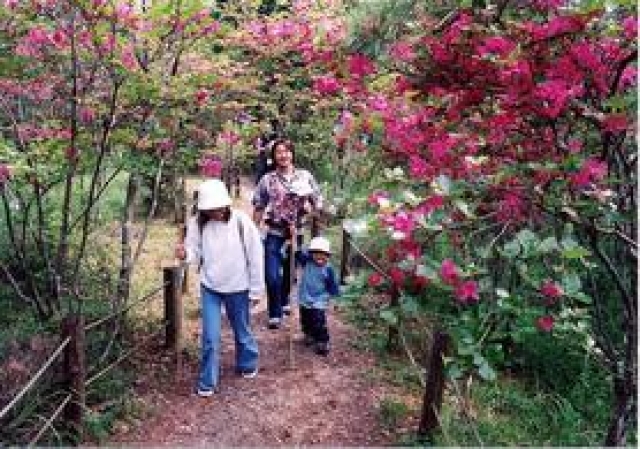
{"points": [[286, 310], [205, 392], [274, 323], [249, 373], [322, 348], [308, 340]]}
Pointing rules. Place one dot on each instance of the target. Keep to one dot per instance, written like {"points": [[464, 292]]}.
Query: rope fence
{"points": [[432, 376], [73, 349], [35, 378]]}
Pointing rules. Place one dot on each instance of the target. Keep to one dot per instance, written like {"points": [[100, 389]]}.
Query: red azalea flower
{"points": [[545, 323], [551, 290], [396, 275], [375, 280], [449, 272], [467, 292]]}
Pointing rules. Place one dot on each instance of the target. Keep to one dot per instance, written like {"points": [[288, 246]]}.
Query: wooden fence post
{"points": [[393, 339], [75, 373], [185, 273], [344, 261], [172, 307], [434, 388]]}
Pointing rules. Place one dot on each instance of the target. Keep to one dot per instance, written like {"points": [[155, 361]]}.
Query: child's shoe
{"points": [[274, 323], [308, 340], [322, 348]]}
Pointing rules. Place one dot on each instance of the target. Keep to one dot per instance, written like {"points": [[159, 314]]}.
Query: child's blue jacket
{"points": [[317, 284]]}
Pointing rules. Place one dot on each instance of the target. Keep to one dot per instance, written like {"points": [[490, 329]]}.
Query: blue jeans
{"points": [[237, 307], [273, 261]]}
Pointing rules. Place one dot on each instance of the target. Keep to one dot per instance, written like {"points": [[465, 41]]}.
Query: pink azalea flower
{"points": [[229, 137], [211, 167], [402, 51], [545, 323], [592, 170], [418, 168], [87, 115], [201, 97], [449, 272], [5, 173], [128, 58], [430, 204], [397, 275], [326, 85], [498, 45], [575, 146], [551, 290], [377, 198], [403, 222], [165, 145], [360, 66], [630, 26], [374, 280], [615, 123], [71, 154], [59, 38], [467, 292], [554, 96]]}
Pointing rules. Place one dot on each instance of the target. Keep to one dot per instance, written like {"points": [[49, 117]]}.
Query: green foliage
{"points": [[391, 412]]}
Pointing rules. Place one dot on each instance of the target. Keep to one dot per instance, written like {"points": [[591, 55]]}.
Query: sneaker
{"points": [[286, 310], [205, 392], [249, 374], [274, 323], [308, 340], [322, 348]]}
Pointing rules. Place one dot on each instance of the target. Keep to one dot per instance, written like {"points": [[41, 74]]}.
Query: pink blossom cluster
{"points": [[211, 166]]}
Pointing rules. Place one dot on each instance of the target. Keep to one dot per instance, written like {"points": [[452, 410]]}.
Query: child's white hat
{"points": [[320, 244]]}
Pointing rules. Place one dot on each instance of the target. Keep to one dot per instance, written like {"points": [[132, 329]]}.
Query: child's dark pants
{"points": [[314, 324]]}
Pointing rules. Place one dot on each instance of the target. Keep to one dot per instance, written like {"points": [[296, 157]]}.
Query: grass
{"points": [[559, 396]]}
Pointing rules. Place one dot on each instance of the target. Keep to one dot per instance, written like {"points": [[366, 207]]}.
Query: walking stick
{"points": [[292, 277]]}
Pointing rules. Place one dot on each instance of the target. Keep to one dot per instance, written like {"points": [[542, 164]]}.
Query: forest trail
{"points": [[330, 401]]}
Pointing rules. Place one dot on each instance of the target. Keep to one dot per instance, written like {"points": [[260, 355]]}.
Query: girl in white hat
{"points": [[228, 247], [318, 285]]}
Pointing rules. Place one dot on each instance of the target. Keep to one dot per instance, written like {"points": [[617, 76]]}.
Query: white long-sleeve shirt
{"points": [[225, 268]]}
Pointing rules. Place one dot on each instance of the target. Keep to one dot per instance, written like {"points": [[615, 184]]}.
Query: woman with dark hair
{"points": [[282, 197], [227, 246]]}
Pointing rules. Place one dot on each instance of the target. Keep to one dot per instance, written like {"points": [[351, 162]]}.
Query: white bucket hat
{"points": [[320, 244], [213, 194]]}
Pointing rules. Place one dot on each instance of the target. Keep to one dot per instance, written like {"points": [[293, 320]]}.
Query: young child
{"points": [[317, 285]]}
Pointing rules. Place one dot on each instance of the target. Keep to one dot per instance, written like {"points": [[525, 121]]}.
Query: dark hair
{"points": [[204, 218], [285, 143]]}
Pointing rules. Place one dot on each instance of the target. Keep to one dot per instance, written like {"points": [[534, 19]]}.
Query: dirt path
{"points": [[316, 400]]}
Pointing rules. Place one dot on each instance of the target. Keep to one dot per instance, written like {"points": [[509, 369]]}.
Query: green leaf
{"points": [[486, 372], [582, 298], [526, 238], [575, 252], [478, 359], [571, 284], [511, 249], [453, 371], [547, 245], [389, 316], [409, 305]]}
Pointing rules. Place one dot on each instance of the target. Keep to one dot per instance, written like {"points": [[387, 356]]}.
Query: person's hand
{"points": [[254, 300], [181, 252]]}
